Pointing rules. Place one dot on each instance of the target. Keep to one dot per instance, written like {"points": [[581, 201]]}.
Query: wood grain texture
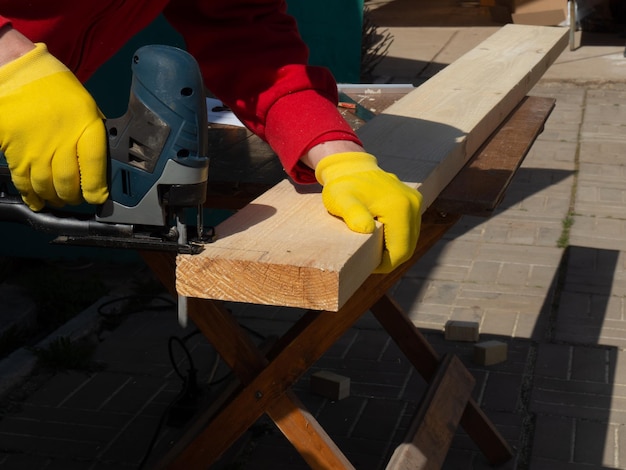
{"points": [[284, 249], [427, 136], [433, 427]]}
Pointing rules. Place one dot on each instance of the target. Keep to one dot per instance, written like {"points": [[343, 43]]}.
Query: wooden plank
{"points": [[284, 249], [437, 419], [481, 186]]}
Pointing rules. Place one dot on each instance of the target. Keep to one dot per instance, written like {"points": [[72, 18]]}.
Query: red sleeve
{"points": [[82, 35], [253, 59], [4, 21]]}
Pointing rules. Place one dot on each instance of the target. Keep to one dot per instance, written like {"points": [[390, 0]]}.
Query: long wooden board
{"points": [[284, 249]]}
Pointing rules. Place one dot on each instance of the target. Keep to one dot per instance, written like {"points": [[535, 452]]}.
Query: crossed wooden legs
{"points": [[267, 379]]}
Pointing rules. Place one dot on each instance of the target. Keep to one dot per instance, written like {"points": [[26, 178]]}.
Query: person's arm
{"points": [[13, 44], [319, 151], [253, 58]]}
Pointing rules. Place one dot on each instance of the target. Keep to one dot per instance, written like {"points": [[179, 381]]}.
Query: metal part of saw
{"points": [[157, 167]]}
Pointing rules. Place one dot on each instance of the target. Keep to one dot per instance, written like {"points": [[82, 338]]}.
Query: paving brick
{"points": [[459, 459], [48, 446], [339, 418], [499, 322], [590, 364], [364, 453], [435, 292], [502, 392], [313, 403], [553, 360], [549, 464], [595, 443], [28, 462], [620, 443], [522, 299], [55, 430], [271, 450], [405, 421], [393, 355], [586, 400], [532, 327], [354, 368], [131, 442], [588, 331], [59, 388], [134, 394], [515, 273], [384, 413], [63, 464], [602, 233], [96, 391], [368, 345], [69, 415], [484, 271], [342, 345], [414, 389], [553, 438]]}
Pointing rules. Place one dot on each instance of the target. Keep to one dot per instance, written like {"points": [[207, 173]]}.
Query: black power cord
{"points": [[183, 406], [186, 403]]}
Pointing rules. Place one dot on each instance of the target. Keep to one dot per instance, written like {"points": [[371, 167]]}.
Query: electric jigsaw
{"points": [[157, 168]]}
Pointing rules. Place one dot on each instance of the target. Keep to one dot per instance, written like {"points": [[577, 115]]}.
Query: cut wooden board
{"points": [[284, 249], [281, 249]]}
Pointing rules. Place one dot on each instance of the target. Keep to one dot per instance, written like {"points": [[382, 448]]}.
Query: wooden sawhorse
{"points": [[266, 379]]}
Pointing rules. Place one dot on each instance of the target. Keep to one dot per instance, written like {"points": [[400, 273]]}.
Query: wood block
{"points": [[284, 249], [489, 353], [457, 330], [435, 423], [330, 385]]}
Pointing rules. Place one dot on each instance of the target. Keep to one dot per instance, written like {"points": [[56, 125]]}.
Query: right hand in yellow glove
{"points": [[360, 192], [51, 132]]}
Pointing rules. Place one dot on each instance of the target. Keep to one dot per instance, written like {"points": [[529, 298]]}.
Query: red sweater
{"points": [[249, 51]]}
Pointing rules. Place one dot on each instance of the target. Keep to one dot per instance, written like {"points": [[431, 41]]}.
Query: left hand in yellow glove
{"points": [[360, 192]]}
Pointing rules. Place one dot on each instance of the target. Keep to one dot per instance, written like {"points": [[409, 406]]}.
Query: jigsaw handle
{"points": [[158, 149]]}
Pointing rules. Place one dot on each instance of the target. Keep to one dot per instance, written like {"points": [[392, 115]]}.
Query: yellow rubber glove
{"points": [[359, 191], [51, 132]]}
